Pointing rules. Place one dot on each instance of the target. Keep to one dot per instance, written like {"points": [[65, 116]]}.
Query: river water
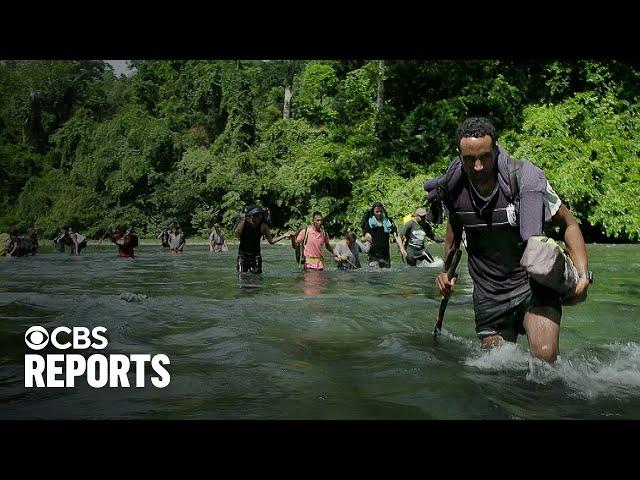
{"points": [[293, 345]]}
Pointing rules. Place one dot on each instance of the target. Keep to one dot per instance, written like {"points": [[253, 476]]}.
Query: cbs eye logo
{"points": [[36, 338]]}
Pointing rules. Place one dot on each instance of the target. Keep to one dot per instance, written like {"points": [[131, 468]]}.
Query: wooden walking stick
{"points": [[452, 263], [104, 235]]}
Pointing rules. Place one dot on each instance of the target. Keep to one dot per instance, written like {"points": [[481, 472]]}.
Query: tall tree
{"points": [[240, 130], [288, 83], [381, 78]]}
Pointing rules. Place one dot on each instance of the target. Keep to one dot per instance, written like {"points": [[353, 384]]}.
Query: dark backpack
{"points": [[25, 245], [134, 239], [439, 189], [297, 248], [300, 248], [300, 259]]}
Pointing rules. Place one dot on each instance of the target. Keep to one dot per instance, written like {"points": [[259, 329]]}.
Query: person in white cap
{"points": [[413, 234]]}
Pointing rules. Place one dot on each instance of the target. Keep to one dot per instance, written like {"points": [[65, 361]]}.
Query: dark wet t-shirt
{"points": [[379, 241], [494, 246], [250, 239]]}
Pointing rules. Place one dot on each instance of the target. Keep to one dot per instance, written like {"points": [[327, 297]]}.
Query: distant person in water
{"points": [[377, 228], [11, 248], [311, 240], [176, 240], [251, 225], [60, 239], [33, 235], [77, 241], [164, 237], [216, 240], [414, 233], [125, 240], [20, 245], [347, 252]]}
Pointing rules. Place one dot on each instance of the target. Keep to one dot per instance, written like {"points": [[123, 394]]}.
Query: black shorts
{"points": [[507, 317], [248, 263]]}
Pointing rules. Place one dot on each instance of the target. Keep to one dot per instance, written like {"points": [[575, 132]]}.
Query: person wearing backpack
{"points": [[311, 240], [12, 248], [21, 245], [216, 240], [78, 241], [414, 233], [26, 246], [500, 204], [251, 225], [125, 240], [60, 240], [32, 235]]}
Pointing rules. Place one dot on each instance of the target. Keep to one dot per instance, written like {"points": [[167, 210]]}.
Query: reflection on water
{"points": [[293, 344], [313, 283], [249, 282]]}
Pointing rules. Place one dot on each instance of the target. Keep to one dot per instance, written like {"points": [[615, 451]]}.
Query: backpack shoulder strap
{"points": [[303, 245], [514, 167]]}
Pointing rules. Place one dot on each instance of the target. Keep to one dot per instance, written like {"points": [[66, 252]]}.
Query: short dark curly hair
{"points": [[476, 127]]}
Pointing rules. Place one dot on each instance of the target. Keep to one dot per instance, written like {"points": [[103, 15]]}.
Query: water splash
{"points": [[133, 297], [616, 376], [506, 357], [471, 344], [437, 263], [615, 373]]}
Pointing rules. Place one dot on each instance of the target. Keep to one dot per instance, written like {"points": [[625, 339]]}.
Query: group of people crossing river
{"points": [[378, 228], [253, 223], [495, 205]]}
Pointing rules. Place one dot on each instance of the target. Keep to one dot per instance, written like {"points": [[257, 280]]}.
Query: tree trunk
{"points": [[380, 99], [286, 110], [24, 133]]}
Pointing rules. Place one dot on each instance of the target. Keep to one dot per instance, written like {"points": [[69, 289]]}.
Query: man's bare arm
{"points": [[443, 283], [74, 244], [577, 252], [269, 236], [398, 240], [329, 246], [573, 238], [239, 226]]}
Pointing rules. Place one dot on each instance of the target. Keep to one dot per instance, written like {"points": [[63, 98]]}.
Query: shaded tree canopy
{"points": [[194, 141]]}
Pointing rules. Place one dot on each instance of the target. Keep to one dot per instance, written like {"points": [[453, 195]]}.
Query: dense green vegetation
{"points": [[194, 141]]}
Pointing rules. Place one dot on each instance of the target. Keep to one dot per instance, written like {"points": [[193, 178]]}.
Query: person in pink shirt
{"points": [[312, 239]]}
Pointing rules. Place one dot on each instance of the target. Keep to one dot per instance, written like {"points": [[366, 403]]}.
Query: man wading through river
{"points": [[476, 191], [312, 239], [251, 225], [414, 233]]}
